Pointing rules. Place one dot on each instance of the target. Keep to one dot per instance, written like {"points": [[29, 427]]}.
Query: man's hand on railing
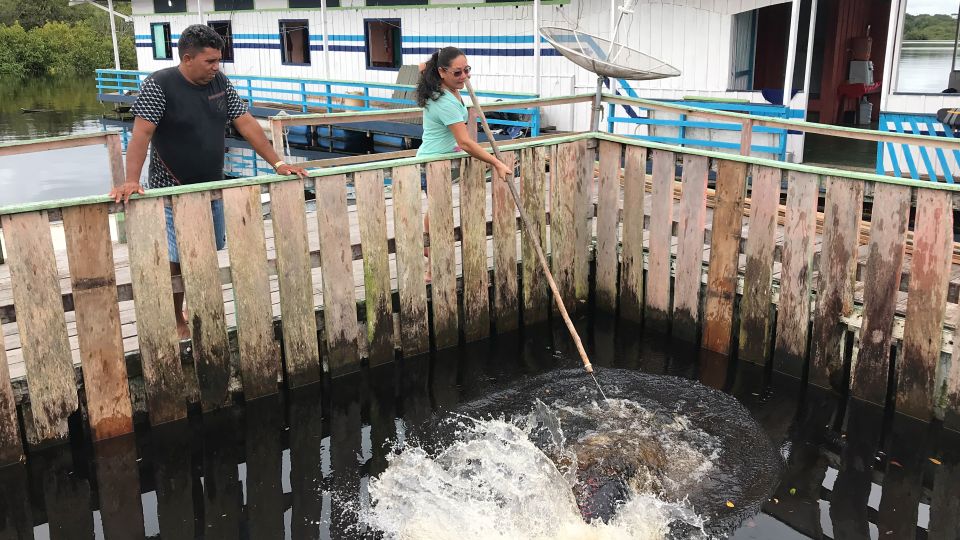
{"points": [[286, 169], [125, 190]]}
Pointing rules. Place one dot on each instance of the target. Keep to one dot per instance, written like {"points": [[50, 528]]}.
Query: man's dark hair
{"points": [[196, 38]]}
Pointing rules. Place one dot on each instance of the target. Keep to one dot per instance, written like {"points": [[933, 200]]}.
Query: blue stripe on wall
{"points": [[484, 51]]}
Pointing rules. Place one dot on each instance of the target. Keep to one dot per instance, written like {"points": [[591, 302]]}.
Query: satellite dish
{"points": [[606, 58]]}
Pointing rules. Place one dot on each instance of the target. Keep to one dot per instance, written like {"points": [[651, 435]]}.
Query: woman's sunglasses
{"points": [[458, 72]]}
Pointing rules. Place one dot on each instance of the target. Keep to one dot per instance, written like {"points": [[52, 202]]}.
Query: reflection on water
{"points": [[308, 463], [35, 108], [924, 69]]}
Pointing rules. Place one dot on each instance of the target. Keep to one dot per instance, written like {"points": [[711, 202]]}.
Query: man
{"points": [[183, 111]]}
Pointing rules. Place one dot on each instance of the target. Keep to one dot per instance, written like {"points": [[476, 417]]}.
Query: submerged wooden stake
{"points": [[536, 243]]}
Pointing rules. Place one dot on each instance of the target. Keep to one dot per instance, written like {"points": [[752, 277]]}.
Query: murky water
{"points": [[506, 439]]}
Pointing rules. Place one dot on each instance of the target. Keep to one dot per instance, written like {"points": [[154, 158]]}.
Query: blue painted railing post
{"points": [[535, 129], [329, 101], [303, 97], [366, 98], [611, 111]]}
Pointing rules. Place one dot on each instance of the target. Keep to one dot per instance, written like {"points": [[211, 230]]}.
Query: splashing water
{"points": [[542, 466]]}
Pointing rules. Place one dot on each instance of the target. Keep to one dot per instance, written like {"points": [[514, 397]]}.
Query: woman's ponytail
{"points": [[429, 84]]}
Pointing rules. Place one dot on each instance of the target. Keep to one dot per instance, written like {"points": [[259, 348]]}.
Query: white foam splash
{"points": [[495, 483]]}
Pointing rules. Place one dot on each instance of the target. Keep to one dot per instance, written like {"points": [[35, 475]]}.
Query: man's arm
{"points": [[136, 155], [248, 127]]}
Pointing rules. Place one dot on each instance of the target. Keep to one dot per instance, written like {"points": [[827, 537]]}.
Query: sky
{"points": [[916, 7]]}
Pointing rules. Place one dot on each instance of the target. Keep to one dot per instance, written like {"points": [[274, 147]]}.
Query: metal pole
{"points": [[806, 73], [953, 62], [199, 12], [614, 26], [113, 36], [326, 42], [597, 106], [536, 46], [791, 53]]}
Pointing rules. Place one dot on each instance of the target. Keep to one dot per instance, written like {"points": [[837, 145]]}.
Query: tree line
{"points": [[930, 27], [49, 37]]}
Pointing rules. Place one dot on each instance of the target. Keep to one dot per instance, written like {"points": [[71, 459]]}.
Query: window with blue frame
{"points": [[225, 29], [169, 6], [383, 43], [295, 42], [160, 41], [232, 5]]}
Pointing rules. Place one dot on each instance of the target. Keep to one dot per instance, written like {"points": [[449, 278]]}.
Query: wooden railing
{"points": [[637, 279]]}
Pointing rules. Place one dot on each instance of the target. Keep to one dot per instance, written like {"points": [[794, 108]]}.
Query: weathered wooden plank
{"points": [[584, 159], [693, 215], [888, 226], [657, 305], [562, 231], [153, 302], [843, 210], [408, 225], [11, 446], [951, 417], [926, 304], [443, 259], [372, 217], [300, 348], [724, 253], [41, 322], [473, 247], [259, 352], [532, 189], [793, 309], [90, 258], [757, 278], [631, 274], [196, 244], [608, 212], [336, 261], [505, 304]]}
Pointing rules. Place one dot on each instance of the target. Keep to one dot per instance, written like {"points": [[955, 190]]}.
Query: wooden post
{"points": [[746, 137], [724, 257], [11, 447], [372, 217], [408, 231], [532, 190], [505, 309], [339, 299], [657, 306], [118, 177], [608, 217], [473, 225], [631, 272], [276, 134], [563, 183], [443, 257], [693, 215], [90, 256]]}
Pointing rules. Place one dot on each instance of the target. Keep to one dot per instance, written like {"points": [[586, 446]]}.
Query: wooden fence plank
{"points": [[693, 215], [843, 210], [926, 304], [951, 416], [757, 278], [153, 301], [473, 225], [40, 319], [90, 257], [443, 258], [408, 224], [299, 322], [259, 352], [336, 262], [631, 275], [201, 283], [793, 309], [608, 212], [11, 446], [532, 184], [657, 306], [562, 231], [888, 226], [724, 255], [372, 216], [505, 302], [584, 160]]}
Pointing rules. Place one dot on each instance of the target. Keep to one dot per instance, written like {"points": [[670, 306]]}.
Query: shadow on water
{"points": [[307, 464]]}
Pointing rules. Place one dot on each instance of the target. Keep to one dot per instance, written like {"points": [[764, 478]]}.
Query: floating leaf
{"points": [[896, 463], [730, 504], [935, 461], [776, 500], [793, 491]]}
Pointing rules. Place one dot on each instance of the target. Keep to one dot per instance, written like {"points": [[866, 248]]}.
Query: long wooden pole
{"points": [[536, 240]]}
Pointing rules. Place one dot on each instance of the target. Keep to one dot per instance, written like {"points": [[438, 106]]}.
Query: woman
{"points": [[445, 116]]}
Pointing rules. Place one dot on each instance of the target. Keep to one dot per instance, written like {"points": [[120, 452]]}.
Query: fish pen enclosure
{"points": [[844, 280]]}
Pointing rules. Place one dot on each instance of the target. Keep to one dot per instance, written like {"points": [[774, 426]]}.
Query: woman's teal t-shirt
{"points": [[438, 114]]}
